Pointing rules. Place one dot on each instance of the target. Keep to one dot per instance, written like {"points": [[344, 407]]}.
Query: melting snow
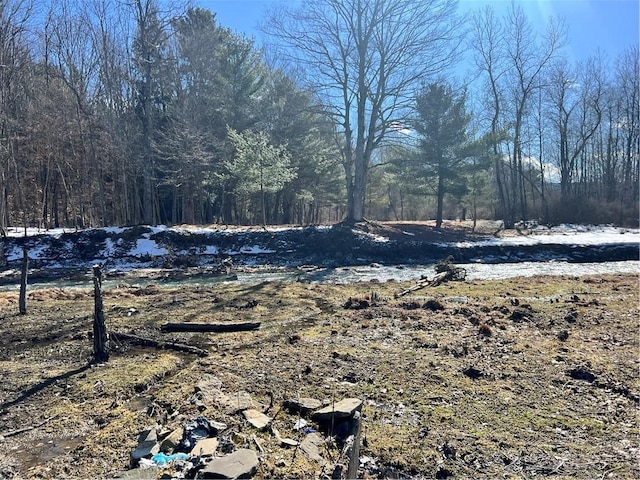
{"points": [[146, 247]]}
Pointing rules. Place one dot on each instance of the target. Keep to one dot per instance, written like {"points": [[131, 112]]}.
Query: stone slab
{"points": [[205, 448], [343, 409], [257, 419], [242, 463]]}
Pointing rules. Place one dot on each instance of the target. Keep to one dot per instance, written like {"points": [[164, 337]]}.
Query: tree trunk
{"points": [[440, 197], [22, 302], [100, 341]]}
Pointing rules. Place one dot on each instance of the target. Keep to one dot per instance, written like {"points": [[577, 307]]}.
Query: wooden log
{"points": [[209, 327], [427, 282], [149, 342]]}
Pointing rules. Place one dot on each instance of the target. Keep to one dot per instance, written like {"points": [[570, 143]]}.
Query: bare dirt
{"points": [[521, 378]]}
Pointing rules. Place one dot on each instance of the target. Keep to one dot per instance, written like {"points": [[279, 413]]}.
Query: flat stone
{"points": [[302, 405], [237, 402], [285, 442], [229, 404], [242, 463], [311, 447], [147, 445], [139, 474], [172, 440], [205, 448], [257, 419], [343, 409]]}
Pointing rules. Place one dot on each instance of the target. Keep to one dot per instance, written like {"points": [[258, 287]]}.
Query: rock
{"points": [[257, 419], [209, 392], [207, 384], [139, 474], [218, 426], [285, 442], [147, 445], [302, 405], [238, 402], [311, 446], [172, 440], [342, 409], [242, 463], [205, 448]]}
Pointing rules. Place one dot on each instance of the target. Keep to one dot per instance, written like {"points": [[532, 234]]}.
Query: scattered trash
{"points": [[146, 463], [195, 430], [300, 423], [162, 459]]}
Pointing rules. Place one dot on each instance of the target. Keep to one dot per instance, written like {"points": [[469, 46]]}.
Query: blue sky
{"points": [[611, 25]]}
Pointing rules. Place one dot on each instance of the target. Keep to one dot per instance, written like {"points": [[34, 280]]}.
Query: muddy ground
{"points": [[525, 378]]}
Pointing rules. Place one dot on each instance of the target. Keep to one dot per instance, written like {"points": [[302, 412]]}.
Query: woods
{"points": [[117, 113]]}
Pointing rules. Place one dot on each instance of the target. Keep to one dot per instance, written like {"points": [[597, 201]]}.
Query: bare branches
{"points": [[366, 58]]}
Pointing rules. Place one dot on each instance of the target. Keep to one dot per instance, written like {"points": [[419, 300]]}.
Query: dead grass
{"points": [[486, 387]]}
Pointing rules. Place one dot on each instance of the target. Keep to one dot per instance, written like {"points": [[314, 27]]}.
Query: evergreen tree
{"points": [[258, 166], [443, 141]]}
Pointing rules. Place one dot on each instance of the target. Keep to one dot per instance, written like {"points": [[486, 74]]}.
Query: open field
{"points": [[523, 378]]}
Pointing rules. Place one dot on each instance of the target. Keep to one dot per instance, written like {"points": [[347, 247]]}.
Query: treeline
{"points": [[120, 113]]}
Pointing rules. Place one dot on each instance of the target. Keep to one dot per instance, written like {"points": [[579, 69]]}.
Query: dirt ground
{"points": [[525, 378]]}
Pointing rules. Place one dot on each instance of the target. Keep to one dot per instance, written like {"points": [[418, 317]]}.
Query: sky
{"points": [[609, 25]]}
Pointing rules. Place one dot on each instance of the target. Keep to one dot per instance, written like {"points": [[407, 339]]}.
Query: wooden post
{"points": [[100, 341], [22, 302], [353, 451]]}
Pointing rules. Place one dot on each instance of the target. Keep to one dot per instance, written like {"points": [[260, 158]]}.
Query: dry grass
{"points": [[525, 378]]}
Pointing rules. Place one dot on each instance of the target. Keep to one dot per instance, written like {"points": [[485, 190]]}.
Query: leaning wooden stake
{"points": [[22, 301], [100, 341]]}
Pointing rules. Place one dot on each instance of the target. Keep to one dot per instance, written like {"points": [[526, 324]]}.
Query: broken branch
{"points": [[148, 342]]}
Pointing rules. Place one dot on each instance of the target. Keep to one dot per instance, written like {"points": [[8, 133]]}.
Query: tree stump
{"points": [[100, 340]]}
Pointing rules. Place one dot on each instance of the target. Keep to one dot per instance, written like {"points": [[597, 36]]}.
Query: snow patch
{"points": [[146, 247], [109, 248], [254, 250]]}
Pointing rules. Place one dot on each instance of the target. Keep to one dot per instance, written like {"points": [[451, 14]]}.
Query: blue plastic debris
{"points": [[161, 459]]}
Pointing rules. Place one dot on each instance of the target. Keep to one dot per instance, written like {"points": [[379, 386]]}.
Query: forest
{"points": [[141, 112]]}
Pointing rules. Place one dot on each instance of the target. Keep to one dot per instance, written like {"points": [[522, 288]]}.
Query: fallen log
{"points": [[427, 282], [148, 342], [209, 327]]}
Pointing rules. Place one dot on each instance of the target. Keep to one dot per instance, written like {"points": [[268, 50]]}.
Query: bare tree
{"points": [[486, 41], [15, 66], [365, 59], [528, 58], [577, 111], [628, 81], [514, 57]]}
